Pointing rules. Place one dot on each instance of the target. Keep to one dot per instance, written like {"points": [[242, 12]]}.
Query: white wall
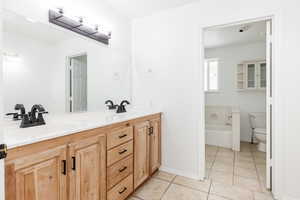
{"points": [[2, 195], [248, 101], [28, 77], [168, 43], [108, 66]]}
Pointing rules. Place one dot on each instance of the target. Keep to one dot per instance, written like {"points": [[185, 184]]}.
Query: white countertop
{"points": [[64, 124]]}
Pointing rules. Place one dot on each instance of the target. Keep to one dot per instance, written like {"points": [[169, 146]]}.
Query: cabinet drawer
{"points": [[122, 190], [119, 136], [119, 152], [118, 171]]}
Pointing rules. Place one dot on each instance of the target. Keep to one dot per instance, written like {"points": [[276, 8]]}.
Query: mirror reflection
{"points": [[59, 69]]}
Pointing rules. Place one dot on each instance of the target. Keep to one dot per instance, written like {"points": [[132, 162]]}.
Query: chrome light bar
{"points": [[58, 18]]}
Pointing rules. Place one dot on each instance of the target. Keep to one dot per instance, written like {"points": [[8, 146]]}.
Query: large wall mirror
{"points": [[65, 72]]}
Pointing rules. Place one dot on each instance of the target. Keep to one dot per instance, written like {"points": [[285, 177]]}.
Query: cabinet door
{"points": [[141, 153], [251, 75], [38, 177], [262, 74], [88, 169], [155, 143]]}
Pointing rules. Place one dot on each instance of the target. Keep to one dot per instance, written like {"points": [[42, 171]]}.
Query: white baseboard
{"points": [[289, 198], [180, 173]]}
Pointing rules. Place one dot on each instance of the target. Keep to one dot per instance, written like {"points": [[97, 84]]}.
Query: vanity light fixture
{"points": [[77, 25]]}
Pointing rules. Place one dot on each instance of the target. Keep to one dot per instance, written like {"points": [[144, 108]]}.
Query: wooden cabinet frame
{"points": [[58, 153]]}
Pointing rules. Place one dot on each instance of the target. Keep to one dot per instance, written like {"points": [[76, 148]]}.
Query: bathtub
{"points": [[219, 135], [222, 126]]}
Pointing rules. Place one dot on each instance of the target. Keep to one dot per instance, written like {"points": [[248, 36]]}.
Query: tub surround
{"points": [[65, 124], [222, 126]]}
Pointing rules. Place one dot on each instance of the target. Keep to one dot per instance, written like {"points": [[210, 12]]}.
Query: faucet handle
{"points": [[110, 104]]}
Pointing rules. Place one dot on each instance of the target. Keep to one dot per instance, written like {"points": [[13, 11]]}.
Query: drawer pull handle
{"points": [[74, 163], [64, 167], [121, 136], [122, 169], [123, 151], [123, 190]]}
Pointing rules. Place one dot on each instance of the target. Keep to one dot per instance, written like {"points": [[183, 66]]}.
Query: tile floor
{"points": [[230, 175]]}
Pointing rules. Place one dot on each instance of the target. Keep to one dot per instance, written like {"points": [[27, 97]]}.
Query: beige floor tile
{"points": [[231, 192], [228, 160], [221, 177], [164, 176], [247, 183], [210, 158], [244, 154], [177, 192], [223, 149], [262, 196], [208, 165], [248, 173], [245, 164], [260, 160], [133, 198], [244, 159], [225, 154], [216, 197], [222, 167], [261, 167], [207, 173], [152, 190], [259, 154], [245, 149], [194, 184]]}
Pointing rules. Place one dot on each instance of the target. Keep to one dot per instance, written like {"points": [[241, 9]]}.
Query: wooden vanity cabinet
{"points": [[147, 151], [106, 163], [141, 153], [87, 170], [38, 176], [155, 145]]}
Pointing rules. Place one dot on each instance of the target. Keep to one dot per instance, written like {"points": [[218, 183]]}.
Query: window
{"points": [[211, 75]]}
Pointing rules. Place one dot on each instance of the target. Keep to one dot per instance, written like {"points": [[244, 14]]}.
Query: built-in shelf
{"points": [[251, 76]]}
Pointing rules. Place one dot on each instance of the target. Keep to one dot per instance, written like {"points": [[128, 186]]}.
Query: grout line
{"points": [[234, 162], [170, 183]]}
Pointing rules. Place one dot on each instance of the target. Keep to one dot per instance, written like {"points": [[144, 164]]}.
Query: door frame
{"points": [[67, 78], [201, 140]]}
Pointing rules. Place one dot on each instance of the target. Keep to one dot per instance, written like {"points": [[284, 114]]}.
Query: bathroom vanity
{"points": [[107, 158]]}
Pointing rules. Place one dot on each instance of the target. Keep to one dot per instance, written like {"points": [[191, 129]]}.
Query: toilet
{"points": [[260, 135], [259, 132]]}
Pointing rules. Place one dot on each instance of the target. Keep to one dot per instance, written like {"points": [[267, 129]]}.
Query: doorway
{"points": [[77, 83], [250, 76]]}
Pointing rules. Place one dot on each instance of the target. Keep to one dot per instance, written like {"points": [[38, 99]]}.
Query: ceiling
{"points": [[140, 8], [224, 36]]}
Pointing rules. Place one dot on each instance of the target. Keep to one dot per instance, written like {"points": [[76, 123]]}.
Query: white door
{"points": [[78, 87], [269, 105]]}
